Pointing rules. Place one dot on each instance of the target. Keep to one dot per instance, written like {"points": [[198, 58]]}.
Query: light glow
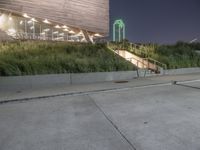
{"points": [[97, 35], [65, 27], [71, 32], [30, 21], [11, 32], [119, 30], [56, 32], [66, 30], [80, 33], [57, 27], [46, 30], [26, 16], [34, 20], [46, 21]]}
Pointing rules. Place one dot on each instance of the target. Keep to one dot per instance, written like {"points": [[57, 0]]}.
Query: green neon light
{"points": [[118, 30]]}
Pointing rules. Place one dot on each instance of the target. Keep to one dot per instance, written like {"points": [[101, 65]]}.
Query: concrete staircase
{"points": [[146, 66]]}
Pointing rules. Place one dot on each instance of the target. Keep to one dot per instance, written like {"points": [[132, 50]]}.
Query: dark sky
{"points": [[158, 21]]}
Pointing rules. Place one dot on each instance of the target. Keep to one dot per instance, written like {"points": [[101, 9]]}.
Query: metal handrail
{"points": [[137, 60], [164, 66], [158, 64]]}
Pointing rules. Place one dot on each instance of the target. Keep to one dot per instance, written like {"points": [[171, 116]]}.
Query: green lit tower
{"points": [[118, 30]]}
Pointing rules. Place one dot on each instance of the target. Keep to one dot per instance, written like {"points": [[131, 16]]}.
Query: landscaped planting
{"points": [[179, 55], [42, 57]]}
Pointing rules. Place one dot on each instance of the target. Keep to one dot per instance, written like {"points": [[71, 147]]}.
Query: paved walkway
{"points": [[144, 114], [6, 95]]}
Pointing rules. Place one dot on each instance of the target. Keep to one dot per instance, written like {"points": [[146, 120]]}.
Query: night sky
{"points": [[158, 21]]}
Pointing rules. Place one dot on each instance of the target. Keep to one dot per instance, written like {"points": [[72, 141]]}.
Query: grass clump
{"points": [[42, 57]]}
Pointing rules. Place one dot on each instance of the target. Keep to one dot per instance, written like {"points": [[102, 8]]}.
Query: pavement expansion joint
{"points": [[184, 84], [188, 86], [112, 123]]}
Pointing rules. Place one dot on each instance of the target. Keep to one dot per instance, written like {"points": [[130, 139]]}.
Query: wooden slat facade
{"points": [[90, 15]]}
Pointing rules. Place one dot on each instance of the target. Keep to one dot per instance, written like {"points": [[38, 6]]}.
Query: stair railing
{"points": [[147, 62]]}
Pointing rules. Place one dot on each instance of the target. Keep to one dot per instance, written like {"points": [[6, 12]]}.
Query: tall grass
{"points": [[179, 55], [32, 58]]}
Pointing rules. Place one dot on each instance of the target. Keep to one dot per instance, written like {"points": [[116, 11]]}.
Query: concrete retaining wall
{"points": [[181, 71], [28, 82], [102, 77]]}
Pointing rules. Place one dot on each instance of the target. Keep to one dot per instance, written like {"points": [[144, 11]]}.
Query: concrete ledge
{"points": [[38, 81], [28, 82], [102, 77], [182, 71]]}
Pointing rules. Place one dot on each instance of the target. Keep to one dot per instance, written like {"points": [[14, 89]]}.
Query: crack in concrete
{"points": [[112, 123], [184, 85], [188, 86]]}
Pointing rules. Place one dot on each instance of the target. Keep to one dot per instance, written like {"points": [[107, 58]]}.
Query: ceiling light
{"points": [[21, 22], [33, 19], [64, 26], [57, 26], [71, 32], [26, 16], [80, 33], [97, 35], [46, 21], [30, 21], [66, 30]]}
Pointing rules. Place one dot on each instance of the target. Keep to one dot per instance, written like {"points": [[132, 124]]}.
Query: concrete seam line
{"points": [[111, 122], [189, 81], [181, 83], [188, 86], [82, 93], [152, 85]]}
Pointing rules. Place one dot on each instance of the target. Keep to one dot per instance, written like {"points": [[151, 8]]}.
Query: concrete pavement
{"points": [[7, 95], [139, 115], [157, 118]]}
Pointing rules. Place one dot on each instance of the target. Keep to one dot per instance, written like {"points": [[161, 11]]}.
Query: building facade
{"points": [[70, 20]]}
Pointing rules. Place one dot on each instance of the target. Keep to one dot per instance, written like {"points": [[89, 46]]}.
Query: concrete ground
{"points": [[144, 114]]}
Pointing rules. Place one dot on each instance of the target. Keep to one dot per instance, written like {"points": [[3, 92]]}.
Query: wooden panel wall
{"points": [[91, 15]]}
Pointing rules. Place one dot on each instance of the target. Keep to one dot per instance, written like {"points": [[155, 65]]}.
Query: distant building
{"points": [[118, 30], [59, 20]]}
